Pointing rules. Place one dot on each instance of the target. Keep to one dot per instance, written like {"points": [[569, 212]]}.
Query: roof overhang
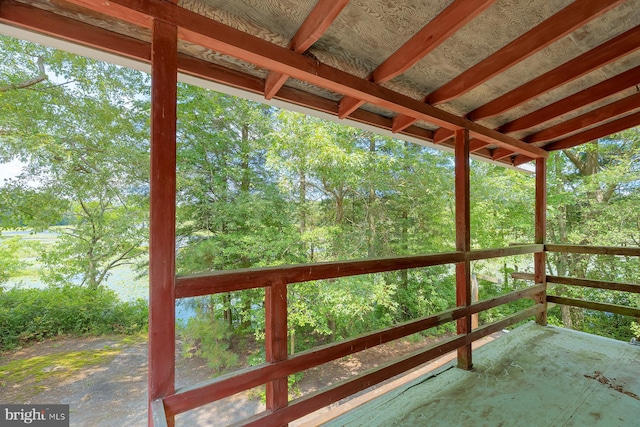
{"points": [[524, 77]]}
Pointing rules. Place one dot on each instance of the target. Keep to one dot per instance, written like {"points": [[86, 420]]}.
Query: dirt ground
{"points": [[115, 393]]}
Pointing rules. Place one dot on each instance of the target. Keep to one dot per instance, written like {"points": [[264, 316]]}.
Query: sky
{"points": [[9, 170]]}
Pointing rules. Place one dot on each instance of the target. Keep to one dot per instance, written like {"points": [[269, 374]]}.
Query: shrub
{"points": [[207, 337], [28, 314]]}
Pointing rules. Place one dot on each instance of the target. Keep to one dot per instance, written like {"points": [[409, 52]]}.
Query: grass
{"points": [[24, 378]]}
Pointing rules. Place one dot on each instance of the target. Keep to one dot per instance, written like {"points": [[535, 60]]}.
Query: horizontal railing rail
{"points": [[224, 386], [586, 283], [243, 279], [317, 400], [592, 305], [590, 283], [275, 279], [594, 250]]}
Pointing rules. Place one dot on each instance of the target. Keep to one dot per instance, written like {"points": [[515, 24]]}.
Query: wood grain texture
{"points": [[315, 24], [601, 131], [162, 236], [578, 100], [596, 250], [599, 306], [236, 382], [552, 29], [458, 14], [594, 117], [602, 55], [314, 401]]}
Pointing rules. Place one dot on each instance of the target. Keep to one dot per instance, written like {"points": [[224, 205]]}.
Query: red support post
{"points": [[276, 341], [463, 239], [162, 214], [541, 231]]}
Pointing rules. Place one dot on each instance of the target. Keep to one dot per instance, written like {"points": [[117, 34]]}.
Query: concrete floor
{"points": [[534, 376]]}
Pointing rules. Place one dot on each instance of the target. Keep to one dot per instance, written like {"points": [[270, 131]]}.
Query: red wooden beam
{"points": [[449, 21], [554, 28], [539, 259], [276, 342], [32, 18], [201, 30], [162, 272], [441, 134], [520, 160], [566, 105], [501, 153], [316, 400], [596, 58], [463, 240], [607, 112], [317, 22], [212, 390], [578, 100], [606, 129], [116, 11]]}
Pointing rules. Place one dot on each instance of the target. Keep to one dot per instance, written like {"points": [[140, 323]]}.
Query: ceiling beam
{"points": [[606, 129], [501, 153], [116, 11], [520, 160], [35, 19], [40, 20], [592, 60], [551, 30], [541, 36], [584, 98], [599, 115], [448, 22], [590, 95], [441, 134], [314, 26], [195, 28]]}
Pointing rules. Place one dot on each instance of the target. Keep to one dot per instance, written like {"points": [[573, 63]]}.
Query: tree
{"points": [[231, 213], [593, 197], [84, 143]]}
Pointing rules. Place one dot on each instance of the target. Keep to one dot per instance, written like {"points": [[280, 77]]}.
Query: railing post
{"points": [[463, 240], [541, 231], [276, 341], [162, 215]]}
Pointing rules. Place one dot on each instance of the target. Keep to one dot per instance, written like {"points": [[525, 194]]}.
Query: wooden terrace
{"points": [[502, 81]]}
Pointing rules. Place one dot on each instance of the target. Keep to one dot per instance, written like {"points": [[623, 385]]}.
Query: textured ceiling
{"points": [[358, 36]]}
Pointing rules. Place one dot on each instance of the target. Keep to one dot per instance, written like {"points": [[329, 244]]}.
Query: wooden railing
{"points": [[279, 365], [590, 283]]}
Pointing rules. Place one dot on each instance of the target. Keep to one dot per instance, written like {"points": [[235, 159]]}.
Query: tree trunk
{"points": [[371, 237], [227, 315]]}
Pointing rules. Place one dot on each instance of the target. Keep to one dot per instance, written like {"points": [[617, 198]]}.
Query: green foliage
{"points": [[262, 187], [35, 314], [10, 260], [207, 337], [84, 146], [635, 329]]}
